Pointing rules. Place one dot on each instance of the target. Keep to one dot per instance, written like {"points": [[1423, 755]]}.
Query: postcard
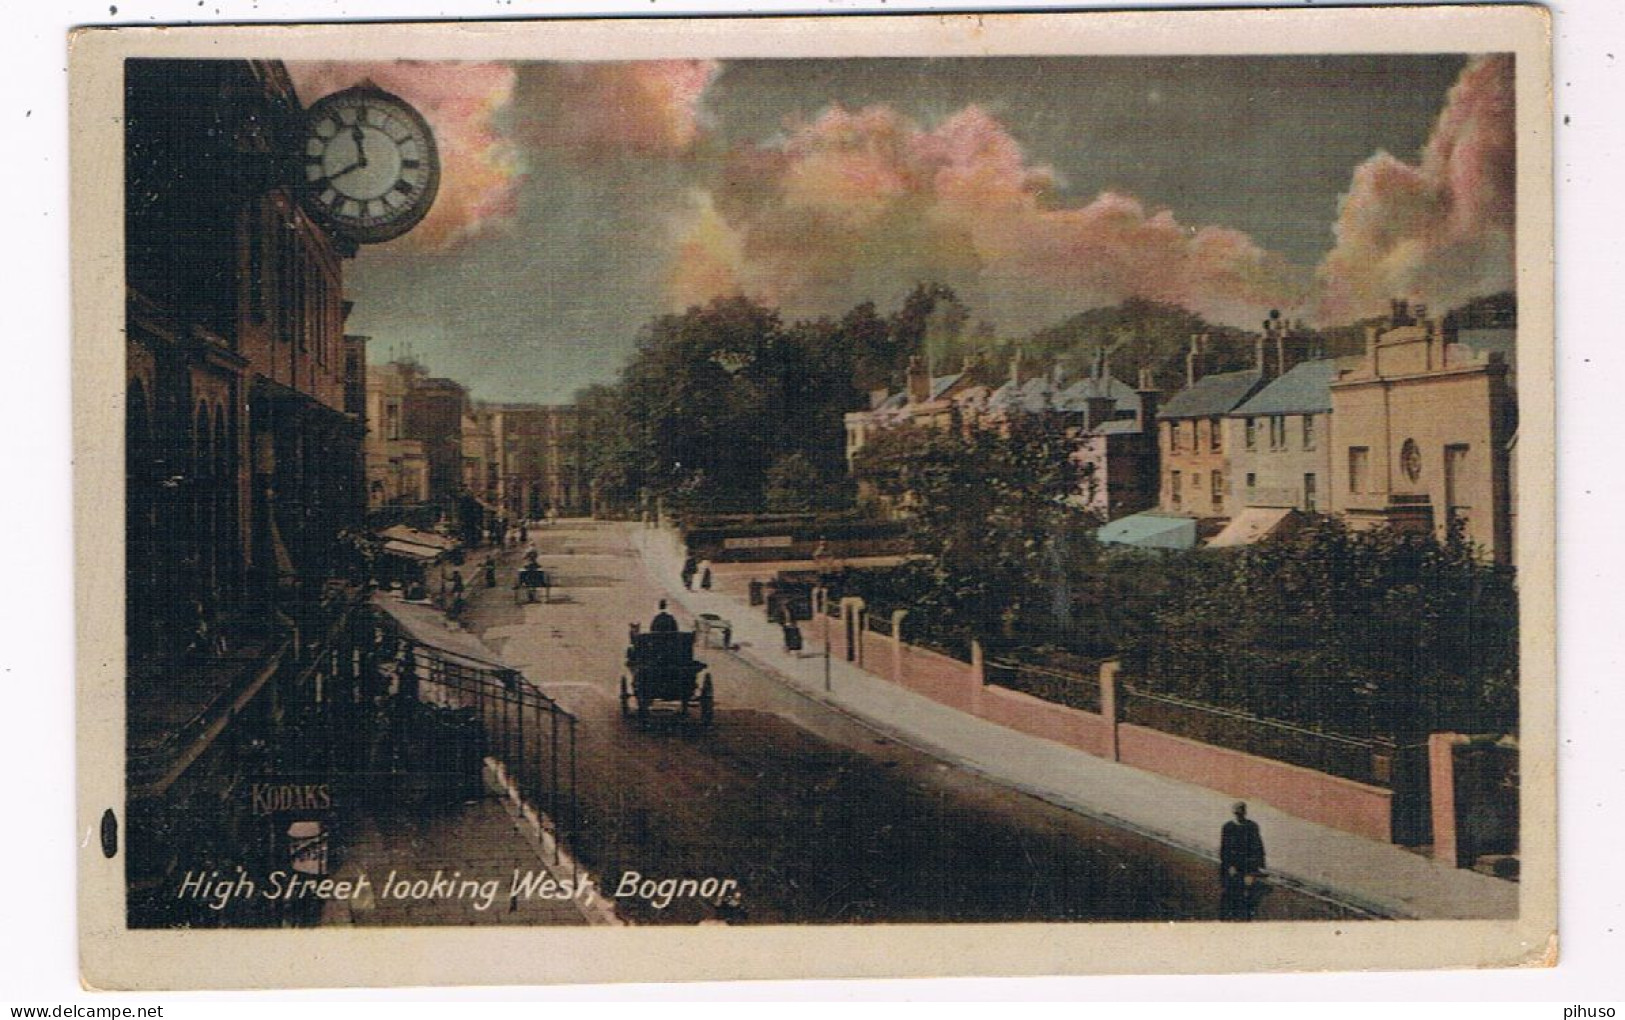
{"points": [[715, 499]]}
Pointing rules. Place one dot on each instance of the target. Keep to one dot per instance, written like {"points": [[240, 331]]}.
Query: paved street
{"points": [[817, 817]]}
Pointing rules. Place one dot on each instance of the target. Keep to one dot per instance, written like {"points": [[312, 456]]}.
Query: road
{"points": [[816, 817]]}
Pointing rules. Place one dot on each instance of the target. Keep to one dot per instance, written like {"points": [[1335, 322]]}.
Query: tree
{"points": [[991, 509]]}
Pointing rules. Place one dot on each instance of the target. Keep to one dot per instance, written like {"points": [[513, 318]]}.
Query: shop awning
{"points": [[414, 536], [1150, 531], [1255, 524], [410, 551]]}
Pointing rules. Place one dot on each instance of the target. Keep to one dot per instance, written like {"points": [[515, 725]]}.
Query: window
{"points": [[1277, 432], [1359, 464], [1309, 493], [1213, 434], [1174, 487], [1308, 432], [1173, 437], [1252, 480], [1216, 484], [1252, 433]]}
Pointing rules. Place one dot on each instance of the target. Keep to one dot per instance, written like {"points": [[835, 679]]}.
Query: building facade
{"points": [[244, 470], [1280, 443], [1422, 429], [397, 468], [1196, 454]]}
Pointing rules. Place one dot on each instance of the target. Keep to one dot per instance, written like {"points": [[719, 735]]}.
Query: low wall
{"points": [[1328, 800], [1039, 718], [1303, 793], [940, 678]]}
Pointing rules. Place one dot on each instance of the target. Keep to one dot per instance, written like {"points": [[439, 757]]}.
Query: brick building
{"points": [[244, 472]]}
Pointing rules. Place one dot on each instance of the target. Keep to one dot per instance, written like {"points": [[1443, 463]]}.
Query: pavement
{"points": [[1376, 878]]}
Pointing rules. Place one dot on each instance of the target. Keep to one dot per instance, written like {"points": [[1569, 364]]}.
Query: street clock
{"points": [[370, 167]]}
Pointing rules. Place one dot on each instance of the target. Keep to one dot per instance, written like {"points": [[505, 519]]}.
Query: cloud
{"points": [[481, 168], [862, 204], [1442, 231], [647, 108]]}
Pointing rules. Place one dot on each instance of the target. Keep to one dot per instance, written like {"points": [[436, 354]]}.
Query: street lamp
{"points": [[823, 604]]}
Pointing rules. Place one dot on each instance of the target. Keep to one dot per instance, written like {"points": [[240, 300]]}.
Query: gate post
{"points": [[897, 645], [1108, 704], [1442, 777]]}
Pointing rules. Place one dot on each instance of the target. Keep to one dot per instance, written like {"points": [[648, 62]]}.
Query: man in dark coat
{"points": [[1241, 862], [664, 622]]}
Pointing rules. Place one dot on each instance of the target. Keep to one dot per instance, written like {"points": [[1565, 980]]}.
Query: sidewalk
{"points": [[1374, 877]]}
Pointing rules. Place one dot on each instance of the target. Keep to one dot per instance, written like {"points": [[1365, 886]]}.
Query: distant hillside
{"points": [[1140, 333]]}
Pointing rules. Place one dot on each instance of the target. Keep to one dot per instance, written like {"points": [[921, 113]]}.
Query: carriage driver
{"points": [[664, 622]]}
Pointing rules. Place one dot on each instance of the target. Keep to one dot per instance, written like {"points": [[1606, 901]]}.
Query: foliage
{"points": [[1359, 632], [795, 484], [727, 408], [1144, 334], [990, 508]]}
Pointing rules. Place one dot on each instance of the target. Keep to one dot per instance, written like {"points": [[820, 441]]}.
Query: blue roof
{"points": [[1212, 395], [1306, 389], [1150, 531]]}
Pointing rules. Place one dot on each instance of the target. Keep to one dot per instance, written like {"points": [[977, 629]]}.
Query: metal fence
{"points": [[1074, 690], [528, 732], [1362, 760]]}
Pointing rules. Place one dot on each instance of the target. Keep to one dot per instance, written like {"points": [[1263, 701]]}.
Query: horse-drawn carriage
{"points": [[660, 666], [531, 579]]}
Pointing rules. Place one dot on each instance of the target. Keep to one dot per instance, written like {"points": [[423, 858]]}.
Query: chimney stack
{"points": [[1149, 396], [919, 381], [1195, 361]]}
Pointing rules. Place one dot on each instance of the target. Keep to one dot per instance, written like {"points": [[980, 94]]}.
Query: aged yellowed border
{"points": [[112, 957]]}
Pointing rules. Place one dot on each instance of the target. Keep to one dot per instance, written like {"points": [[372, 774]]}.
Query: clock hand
{"points": [[335, 175], [360, 151]]}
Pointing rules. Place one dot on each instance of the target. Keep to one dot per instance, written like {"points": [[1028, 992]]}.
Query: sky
{"points": [[578, 201]]}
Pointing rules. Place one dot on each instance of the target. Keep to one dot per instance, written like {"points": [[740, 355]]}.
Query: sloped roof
{"points": [[942, 383], [1212, 395], [1075, 397], [1149, 531], [1254, 524], [1306, 389]]}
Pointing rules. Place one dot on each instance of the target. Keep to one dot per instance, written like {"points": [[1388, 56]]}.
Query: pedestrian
{"points": [[1241, 866], [691, 566], [705, 577], [490, 572]]}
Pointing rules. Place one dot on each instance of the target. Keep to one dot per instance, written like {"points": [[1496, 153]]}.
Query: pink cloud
{"points": [[637, 108], [1442, 231], [862, 204], [480, 166]]}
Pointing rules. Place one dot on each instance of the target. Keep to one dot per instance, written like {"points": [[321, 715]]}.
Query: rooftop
{"points": [[1213, 395]]}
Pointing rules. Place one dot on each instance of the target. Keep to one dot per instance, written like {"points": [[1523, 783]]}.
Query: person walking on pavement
{"points": [[1241, 865], [664, 622], [691, 567]]}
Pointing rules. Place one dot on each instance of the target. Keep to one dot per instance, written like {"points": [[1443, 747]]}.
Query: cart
{"points": [[529, 580], [661, 667]]}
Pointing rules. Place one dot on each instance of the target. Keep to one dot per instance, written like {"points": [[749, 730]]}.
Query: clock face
{"points": [[370, 166]]}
